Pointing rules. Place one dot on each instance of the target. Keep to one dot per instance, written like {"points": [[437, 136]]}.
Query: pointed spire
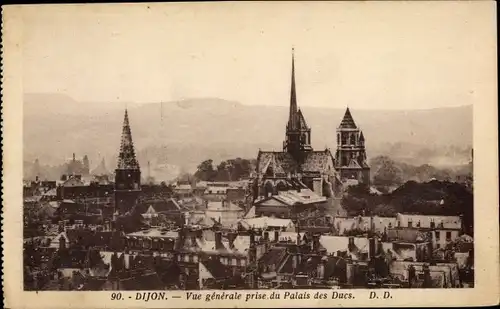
{"points": [[292, 118], [126, 158], [348, 122]]}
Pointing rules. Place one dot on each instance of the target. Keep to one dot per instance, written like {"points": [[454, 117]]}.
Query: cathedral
{"points": [[127, 173], [298, 165]]}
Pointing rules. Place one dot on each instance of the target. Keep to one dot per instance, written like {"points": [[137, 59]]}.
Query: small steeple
{"points": [[361, 136], [292, 117], [126, 158]]}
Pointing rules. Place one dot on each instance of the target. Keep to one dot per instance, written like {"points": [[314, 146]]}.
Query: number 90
{"points": [[116, 296]]}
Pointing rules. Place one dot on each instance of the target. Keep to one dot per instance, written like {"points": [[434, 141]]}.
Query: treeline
{"points": [[430, 198], [228, 170], [388, 172]]}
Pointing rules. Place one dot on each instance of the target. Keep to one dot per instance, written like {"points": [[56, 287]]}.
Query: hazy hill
{"points": [[186, 132]]}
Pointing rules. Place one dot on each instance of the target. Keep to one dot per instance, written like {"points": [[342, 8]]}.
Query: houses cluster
{"points": [[204, 237], [283, 228]]}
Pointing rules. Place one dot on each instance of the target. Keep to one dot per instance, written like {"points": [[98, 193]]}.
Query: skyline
{"points": [[339, 62]]}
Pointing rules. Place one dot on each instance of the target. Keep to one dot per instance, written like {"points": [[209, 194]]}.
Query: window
{"points": [[438, 234], [433, 224], [438, 246], [234, 261], [448, 235], [186, 258], [195, 259], [418, 224], [410, 223]]}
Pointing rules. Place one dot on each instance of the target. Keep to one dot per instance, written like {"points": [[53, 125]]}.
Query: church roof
{"points": [[126, 158], [347, 122], [317, 161], [282, 163]]}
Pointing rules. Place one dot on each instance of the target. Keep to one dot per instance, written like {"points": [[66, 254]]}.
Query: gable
{"points": [[272, 201]]}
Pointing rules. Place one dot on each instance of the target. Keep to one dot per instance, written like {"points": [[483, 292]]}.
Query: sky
{"points": [[380, 55]]}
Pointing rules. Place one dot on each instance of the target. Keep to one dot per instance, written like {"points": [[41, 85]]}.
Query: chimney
{"points": [[351, 243], [276, 235], [316, 243], [321, 269], [371, 248], [218, 239], [62, 243], [193, 238]]}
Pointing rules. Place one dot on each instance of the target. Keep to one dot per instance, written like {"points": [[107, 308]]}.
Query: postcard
{"points": [[250, 154]]}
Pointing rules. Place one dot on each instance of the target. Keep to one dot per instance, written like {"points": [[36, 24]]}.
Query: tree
{"points": [[388, 173], [205, 171]]}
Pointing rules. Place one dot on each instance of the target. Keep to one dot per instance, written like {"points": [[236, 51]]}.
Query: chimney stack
{"points": [[218, 240], [252, 238], [62, 243], [371, 248], [351, 243], [315, 243]]}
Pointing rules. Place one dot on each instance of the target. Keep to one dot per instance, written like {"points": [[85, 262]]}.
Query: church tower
{"points": [[127, 173], [298, 134], [350, 159]]}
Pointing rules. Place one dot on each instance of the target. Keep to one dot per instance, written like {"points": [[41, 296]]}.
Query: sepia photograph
{"points": [[212, 147]]}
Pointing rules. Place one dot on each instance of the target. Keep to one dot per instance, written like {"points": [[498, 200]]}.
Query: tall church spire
{"points": [[292, 118], [298, 134], [126, 158]]}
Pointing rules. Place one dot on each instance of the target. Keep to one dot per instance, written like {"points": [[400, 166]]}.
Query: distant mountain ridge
{"points": [[184, 133]]}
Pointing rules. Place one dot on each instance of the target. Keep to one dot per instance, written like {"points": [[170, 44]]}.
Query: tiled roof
{"points": [[146, 281], [305, 196], [263, 222], [284, 162], [274, 256], [215, 268], [157, 233], [317, 161]]}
